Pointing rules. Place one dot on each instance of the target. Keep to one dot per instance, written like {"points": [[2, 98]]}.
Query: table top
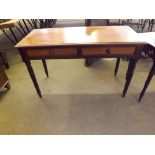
{"points": [[94, 35], [9, 24], [149, 36]]}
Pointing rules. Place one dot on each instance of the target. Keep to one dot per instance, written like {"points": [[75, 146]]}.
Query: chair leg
{"points": [[152, 23], [4, 61], [117, 66], [144, 24], [87, 64], [147, 82]]}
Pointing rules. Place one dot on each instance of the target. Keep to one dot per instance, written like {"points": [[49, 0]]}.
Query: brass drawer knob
{"points": [[51, 51], [108, 51]]}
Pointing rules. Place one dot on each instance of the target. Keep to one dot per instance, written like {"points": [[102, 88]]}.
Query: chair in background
{"points": [[149, 23], [23, 26], [41, 23]]}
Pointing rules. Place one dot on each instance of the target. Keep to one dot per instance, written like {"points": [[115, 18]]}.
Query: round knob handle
{"points": [[108, 51], [51, 51]]}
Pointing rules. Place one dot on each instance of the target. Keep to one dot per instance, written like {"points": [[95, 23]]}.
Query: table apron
{"points": [[83, 57], [104, 51]]}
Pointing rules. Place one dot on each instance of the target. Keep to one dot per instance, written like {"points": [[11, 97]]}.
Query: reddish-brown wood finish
{"points": [[94, 35]]}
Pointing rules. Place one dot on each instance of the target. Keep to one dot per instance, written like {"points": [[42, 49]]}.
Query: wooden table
{"points": [[81, 42]]}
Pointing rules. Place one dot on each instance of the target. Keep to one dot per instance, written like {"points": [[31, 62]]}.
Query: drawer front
{"points": [[37, 52], [51, 52], [92, 51]]}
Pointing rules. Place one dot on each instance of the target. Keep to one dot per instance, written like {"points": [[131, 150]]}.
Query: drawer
{"points": [[92, 51], [51, 52]]}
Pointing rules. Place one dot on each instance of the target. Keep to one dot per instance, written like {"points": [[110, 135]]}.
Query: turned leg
{"points": [[45, 66], [117, 66], [147, 82], [129, 66], [130, 73], [32, 75]]}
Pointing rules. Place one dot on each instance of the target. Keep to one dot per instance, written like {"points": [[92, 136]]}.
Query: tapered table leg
{"points": [[45, 66], [147, 82], [32, 75], [130, 62], [117, 66], [129, 75]]}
